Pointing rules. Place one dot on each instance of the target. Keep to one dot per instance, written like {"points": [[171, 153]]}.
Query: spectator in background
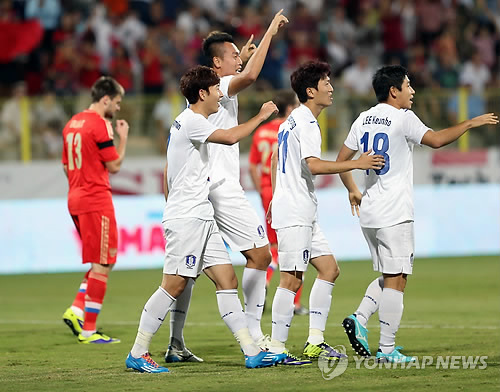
{"points": [[251, 23], [357, 78], [164, 113], [431, 19], [89, 61], [11, 122], [192, 21], [47, 12], [152, 67], [475, 74], [446, 73], [484, 44], [50, 119], [63, 74], [121, 68], [395, 44], [343, 28]]}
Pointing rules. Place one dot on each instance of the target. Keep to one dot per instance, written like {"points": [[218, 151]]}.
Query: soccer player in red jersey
{"points": [[88, 157], [264, 140]]}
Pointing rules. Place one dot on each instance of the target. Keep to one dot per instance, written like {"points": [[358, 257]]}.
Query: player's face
{"points": [[230, 63], [112, 106], [212, 100], [405, 96], [324, 95]]}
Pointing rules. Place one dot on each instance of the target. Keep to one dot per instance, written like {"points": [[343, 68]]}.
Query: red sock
{"points": [[96, 289], [79, 302], [296, 300]]}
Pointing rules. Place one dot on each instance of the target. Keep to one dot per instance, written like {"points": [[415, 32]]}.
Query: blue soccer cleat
{"points": [[357, 334], [394, 357], [263, 359], [144, 364]]}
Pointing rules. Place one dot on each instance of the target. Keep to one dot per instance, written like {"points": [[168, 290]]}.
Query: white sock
{"points": [[320, 301], [178, 315], [370, 302], [152, 317], [253, 284], [232, 314], [390, 312], [282, 314]]}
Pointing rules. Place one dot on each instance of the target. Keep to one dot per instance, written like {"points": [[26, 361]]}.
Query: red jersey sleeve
{"points": [[254, 156], [103, 136], [64, 158]]}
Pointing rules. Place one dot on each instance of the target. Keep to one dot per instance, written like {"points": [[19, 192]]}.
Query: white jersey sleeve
{"points": [[415, 128], [199, 129], [310, 142], [351, 141]]}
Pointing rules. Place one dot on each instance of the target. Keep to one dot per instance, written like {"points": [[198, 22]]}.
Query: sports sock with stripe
{"points": [[370, 302], [94, 297]]}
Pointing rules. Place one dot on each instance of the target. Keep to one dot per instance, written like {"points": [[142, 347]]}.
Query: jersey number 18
{"points": [[380, 147]]}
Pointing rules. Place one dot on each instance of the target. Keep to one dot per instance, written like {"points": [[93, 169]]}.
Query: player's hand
{"points": [[278, 21], [367, 161], [485, 119], [269, 214], [355, 200], [122, 129], [247, 50], [267, 109]]}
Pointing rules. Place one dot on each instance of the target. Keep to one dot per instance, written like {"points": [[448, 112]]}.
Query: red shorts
{"points": [[267, 195], [99, 236]]}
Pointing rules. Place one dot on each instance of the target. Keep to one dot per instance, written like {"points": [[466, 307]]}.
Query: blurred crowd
{"points": [[147, 45]]}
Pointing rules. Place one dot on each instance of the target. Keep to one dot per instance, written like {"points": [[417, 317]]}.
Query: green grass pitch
{"points": [[452, 307]]}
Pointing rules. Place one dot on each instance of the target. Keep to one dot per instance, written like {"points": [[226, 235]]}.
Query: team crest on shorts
{"points": [[305, 255], [190, 261], [261, 231]]}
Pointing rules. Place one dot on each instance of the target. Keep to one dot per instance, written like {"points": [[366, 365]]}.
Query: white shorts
{"points": [[238, 222], [392, 248], [192, 245], [297, 245]]}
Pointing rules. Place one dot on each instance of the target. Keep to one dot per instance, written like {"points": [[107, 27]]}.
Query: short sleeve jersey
{"points": [[294, 200], [392, 133], [88, 145], [225, 160], [187, 175], [263, 142]]}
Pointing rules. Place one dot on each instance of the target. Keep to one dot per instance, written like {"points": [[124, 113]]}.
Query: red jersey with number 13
{"points": [[263, 142], [88, 144]]}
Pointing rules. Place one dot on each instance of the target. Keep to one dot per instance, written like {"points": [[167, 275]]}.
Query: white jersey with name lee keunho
{"points": [[294, 200], [392, 133], [187, 157], [225, 160]]}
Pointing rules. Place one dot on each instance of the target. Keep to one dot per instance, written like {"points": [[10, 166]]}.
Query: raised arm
{"points": [[252, 69], [122, 130], [448, 135], [234, 135]]}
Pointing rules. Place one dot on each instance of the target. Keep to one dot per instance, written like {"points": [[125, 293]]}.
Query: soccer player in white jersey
{"points": [[385, 208], [294, 205], [238, 222], [193, 241]]}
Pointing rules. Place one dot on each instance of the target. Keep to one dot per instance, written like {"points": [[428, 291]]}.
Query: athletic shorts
{"points": [[391, 248], [192, 245], [297, 245], [99, 236], [238, 223], [266, 196]]}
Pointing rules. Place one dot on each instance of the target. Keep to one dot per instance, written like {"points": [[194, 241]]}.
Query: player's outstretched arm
{"points": [[234, 135], [122, 131], [446, 136], [252, 70], [355, 196], [364, 162]]}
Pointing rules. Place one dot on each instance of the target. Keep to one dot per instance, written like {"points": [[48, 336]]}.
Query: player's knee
{"points": [[258, 258], [290, 281]]}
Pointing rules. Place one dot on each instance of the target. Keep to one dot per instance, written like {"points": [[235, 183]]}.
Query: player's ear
{"points": [[392, 92], [202, 94], [217, 62], [310, 92]]}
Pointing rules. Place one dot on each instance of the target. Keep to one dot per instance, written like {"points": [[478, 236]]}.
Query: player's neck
{"points": [[393, 103], [95, 107], [314, 107]]}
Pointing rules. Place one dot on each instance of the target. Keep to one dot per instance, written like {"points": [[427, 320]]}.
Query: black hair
{"points": [[196, 79], [106, 85], [212, 45], [283, 99], [387, 77], [308, 75]]}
